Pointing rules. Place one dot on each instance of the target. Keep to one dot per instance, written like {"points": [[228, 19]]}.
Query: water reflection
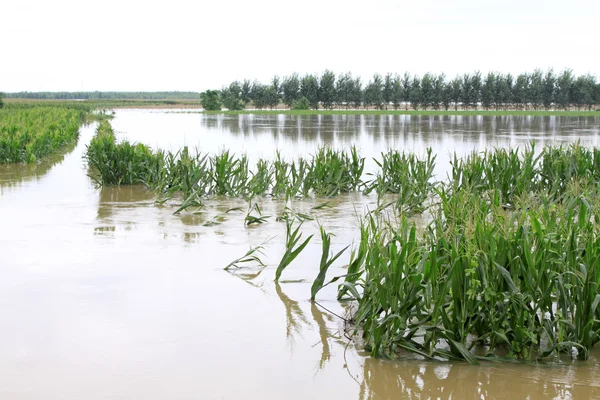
{"points": [[13, 175], [260, 136]]}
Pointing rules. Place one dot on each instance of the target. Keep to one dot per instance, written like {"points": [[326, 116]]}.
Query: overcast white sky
{"points": [[132, 45]]}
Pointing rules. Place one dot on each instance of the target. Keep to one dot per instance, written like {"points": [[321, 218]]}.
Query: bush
{"points": [[301, 104], [210, 100]]}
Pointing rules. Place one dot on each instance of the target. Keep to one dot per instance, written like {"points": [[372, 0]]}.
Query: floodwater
{"points": [[105, 295]]}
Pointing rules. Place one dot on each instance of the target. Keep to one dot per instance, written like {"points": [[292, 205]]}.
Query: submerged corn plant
{"points": [[327, 259], [255, 219], [292, 248], [251, 256], [406, 176]]}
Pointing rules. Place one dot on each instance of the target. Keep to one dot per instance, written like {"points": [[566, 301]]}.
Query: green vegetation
{"points": [[1, 102], [507, 268], [537, 90], [27, 135], [508, 265], [327, 173], [211, 100]]}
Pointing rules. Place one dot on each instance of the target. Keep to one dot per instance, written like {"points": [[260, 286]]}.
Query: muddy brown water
{"points": [[105, 295]]}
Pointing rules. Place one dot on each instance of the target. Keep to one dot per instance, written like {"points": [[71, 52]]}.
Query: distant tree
{"points": [[246, 91], [276, 84], [455, 90], [406, 85], [397, 92], [231, 96], [488, 91], [309, 88], [356, 92], [291, 89], [327, 95], [520, 92], [564, 85], [388, 90], [343, 89], [476, 84], [466, 92], [257, 94], [427, 90], [439, 87], [536, 89], [416, 96], [210, 100], [549, 89], [270, 96], [1, 102], [583, 93], [374, 92], [447, 95]]}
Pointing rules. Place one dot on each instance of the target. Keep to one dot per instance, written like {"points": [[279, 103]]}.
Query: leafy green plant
{"points": [[292, 248]]}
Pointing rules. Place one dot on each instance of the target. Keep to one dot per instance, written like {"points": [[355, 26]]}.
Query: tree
{"points": [[416, 97], [343, 89], [583, 93], [456, 91], [439, 88], [309, 88], [356, 92], [536, 89], [388, 90], [520, 92], [1, 102], [447, 94], [427, 90], [488, 91], [397, 92], [549, 89], [232, 96], [374, 92], [327, 95], [564, 84], [406, 85], [466, 91], [476, 84], [210, 100], [291, 89], [246, 91], [270, 96], [257, 94]]}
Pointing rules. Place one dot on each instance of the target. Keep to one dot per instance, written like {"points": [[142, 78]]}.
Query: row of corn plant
{"points": [[482, 281], [194, 175], [29, 134], [515, 173]]}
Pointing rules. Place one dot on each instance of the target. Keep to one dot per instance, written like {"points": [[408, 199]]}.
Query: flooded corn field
{"points": [[108, 295]]}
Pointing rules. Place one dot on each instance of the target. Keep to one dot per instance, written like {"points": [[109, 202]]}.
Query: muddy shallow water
{"points": [[106, 296]]}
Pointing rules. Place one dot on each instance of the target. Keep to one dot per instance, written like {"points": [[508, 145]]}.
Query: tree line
{"points": [[494, 91]]}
